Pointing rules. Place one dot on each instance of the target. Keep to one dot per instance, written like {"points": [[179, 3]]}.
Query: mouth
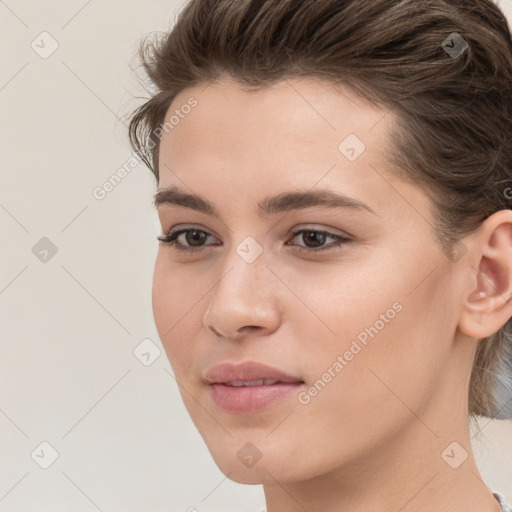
{"points": [[250, 383], [250, 387], [249, 373]]}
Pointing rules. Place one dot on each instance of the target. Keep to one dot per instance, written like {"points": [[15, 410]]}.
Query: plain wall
{"points": [[70, 321]]}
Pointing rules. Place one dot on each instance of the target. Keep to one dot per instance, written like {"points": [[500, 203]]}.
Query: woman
{"points": [[334, 277]]}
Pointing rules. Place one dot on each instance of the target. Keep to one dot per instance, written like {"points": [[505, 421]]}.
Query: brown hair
{"points": [[453, 109]]}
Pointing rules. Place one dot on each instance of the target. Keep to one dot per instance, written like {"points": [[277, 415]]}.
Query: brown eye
{"points": [[314, 238], [186, 240], [195, 237], [314, 241]]}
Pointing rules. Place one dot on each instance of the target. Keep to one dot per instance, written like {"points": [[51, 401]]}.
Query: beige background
{"points": [[69, 325]]}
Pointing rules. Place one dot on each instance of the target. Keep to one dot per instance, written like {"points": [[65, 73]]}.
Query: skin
{"points": [[372, 439]]}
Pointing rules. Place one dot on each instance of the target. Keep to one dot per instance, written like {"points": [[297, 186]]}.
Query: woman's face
{"points": [[364, 329]]}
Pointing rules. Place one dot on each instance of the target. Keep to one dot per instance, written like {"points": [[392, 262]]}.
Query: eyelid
{"points": [[308, 226], [185, 227], [322, 228]]}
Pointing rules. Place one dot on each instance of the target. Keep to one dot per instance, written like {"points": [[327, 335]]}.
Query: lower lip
{"points": [[247, 399]]}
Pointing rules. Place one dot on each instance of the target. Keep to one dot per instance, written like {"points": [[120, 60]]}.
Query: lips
{"points": [[248, 374], [250, 387]]}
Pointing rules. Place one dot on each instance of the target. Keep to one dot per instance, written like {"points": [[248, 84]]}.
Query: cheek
{"points": [[366, 324], [334, 304], [176, 299]]}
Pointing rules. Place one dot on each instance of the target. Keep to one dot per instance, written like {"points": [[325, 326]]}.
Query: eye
{"points": [[318, 238], [193, 239]]}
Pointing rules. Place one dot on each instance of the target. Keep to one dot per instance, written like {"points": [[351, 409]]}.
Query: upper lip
{"points": [[248, 371]]}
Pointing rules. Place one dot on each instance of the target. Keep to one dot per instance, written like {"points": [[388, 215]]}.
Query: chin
{"points": [[256, 463], [248, 476]]}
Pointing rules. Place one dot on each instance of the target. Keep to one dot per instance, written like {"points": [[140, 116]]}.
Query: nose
{"points": [[244, 300]]}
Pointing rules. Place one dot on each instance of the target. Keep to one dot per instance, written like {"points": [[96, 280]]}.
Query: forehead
{"points": [[296, 133], [296, 113], [301, 108]]}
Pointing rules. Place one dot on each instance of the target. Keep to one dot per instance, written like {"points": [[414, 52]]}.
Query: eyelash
{"points": [[171, 240]]}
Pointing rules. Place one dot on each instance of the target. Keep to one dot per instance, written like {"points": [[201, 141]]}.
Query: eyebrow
{"points": [[283, 202]]}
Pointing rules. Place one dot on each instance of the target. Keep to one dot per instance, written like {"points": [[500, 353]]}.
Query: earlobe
{"points": [[487, 305]]}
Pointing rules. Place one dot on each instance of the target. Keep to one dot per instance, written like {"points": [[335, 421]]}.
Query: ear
{"points": [[487, 304]]}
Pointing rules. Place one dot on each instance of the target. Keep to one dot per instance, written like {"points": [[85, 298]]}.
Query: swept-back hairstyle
{"points": [[452, 103]]}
